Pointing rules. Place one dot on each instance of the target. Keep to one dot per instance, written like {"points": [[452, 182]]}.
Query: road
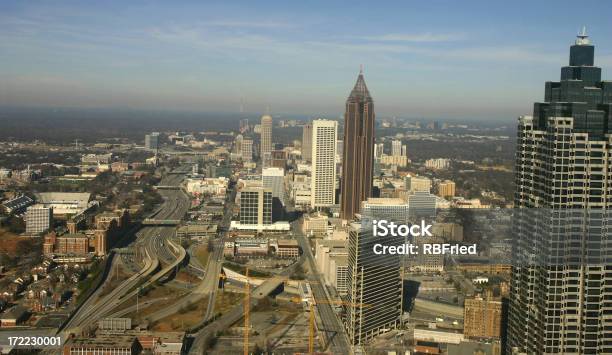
{"points": [[331, 326], [208, 286], [156, 249]]}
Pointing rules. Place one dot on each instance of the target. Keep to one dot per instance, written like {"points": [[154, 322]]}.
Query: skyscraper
{"points": [[396, 148], [560, 300], [358, 154], [247, 149], [266, 135], [307, 142], [274, 179], [323, 180], [374, 297]]}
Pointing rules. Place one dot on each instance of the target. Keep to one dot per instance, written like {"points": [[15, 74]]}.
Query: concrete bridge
{"points": [[161, 222]]}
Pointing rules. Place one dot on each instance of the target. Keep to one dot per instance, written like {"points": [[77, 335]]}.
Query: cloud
{"points": [[248, 24], [426, 37]]}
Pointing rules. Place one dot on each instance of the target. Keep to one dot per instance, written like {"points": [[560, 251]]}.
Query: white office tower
{"points": [[323, 178], [307, 142], [247, 149], [266, 135], [374, 297], [38, 219], [274, 179]]}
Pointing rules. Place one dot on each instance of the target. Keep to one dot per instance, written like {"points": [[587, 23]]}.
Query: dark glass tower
{"points": [[358, 152], [561, 290]]}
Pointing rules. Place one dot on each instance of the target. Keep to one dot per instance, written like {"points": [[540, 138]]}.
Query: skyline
{"points": [[481, 62]]}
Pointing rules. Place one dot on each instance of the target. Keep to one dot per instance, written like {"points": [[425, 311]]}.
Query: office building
{"points": [[482, 317], [358, 155], [244, 125], [323, 178], [379, 150], [238, 146], [397, 160], [374, 292], [274, 179], [437, 164], [561, 299], [246, 149], [396, 148], [307, 142], [332, 262], [38, 219], [417, 183], [421, 205], [255, 206], [266, 135], [152, 141], [446, 189], [391, 209]]}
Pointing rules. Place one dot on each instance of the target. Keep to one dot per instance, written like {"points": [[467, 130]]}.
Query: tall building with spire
{"points": [[561, 293], [266, 136], [358, 152]]}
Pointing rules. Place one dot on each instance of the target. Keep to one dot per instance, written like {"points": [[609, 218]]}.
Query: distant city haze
{"points": [[442, 59]]}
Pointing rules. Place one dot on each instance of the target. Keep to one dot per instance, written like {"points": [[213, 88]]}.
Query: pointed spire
{"points": [[582, 37], [360, 91]]}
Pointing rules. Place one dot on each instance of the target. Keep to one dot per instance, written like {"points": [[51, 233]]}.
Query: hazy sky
{"points": [[480, 59]]}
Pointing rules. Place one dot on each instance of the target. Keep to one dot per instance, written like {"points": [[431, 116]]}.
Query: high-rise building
{"points": [[38, 219], [482, 317], [396, 148], [358, 157], [561, 300], [379, 150], [307, 142], [256, 206], [323, 178], [274, 179], [266, 135], [446, 189], [244, 125], [374, 292], [238, 145], [152, 141], [247, 149]]}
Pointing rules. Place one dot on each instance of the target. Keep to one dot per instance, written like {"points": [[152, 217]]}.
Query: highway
{"points": [[157, 251], [208, 286]]}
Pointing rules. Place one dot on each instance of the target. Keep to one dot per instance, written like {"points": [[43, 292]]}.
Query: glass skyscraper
{"points": [[561, 290]]}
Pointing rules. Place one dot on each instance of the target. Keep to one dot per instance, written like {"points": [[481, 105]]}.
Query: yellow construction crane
{"points": [[311, 326], [247, 308]]}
